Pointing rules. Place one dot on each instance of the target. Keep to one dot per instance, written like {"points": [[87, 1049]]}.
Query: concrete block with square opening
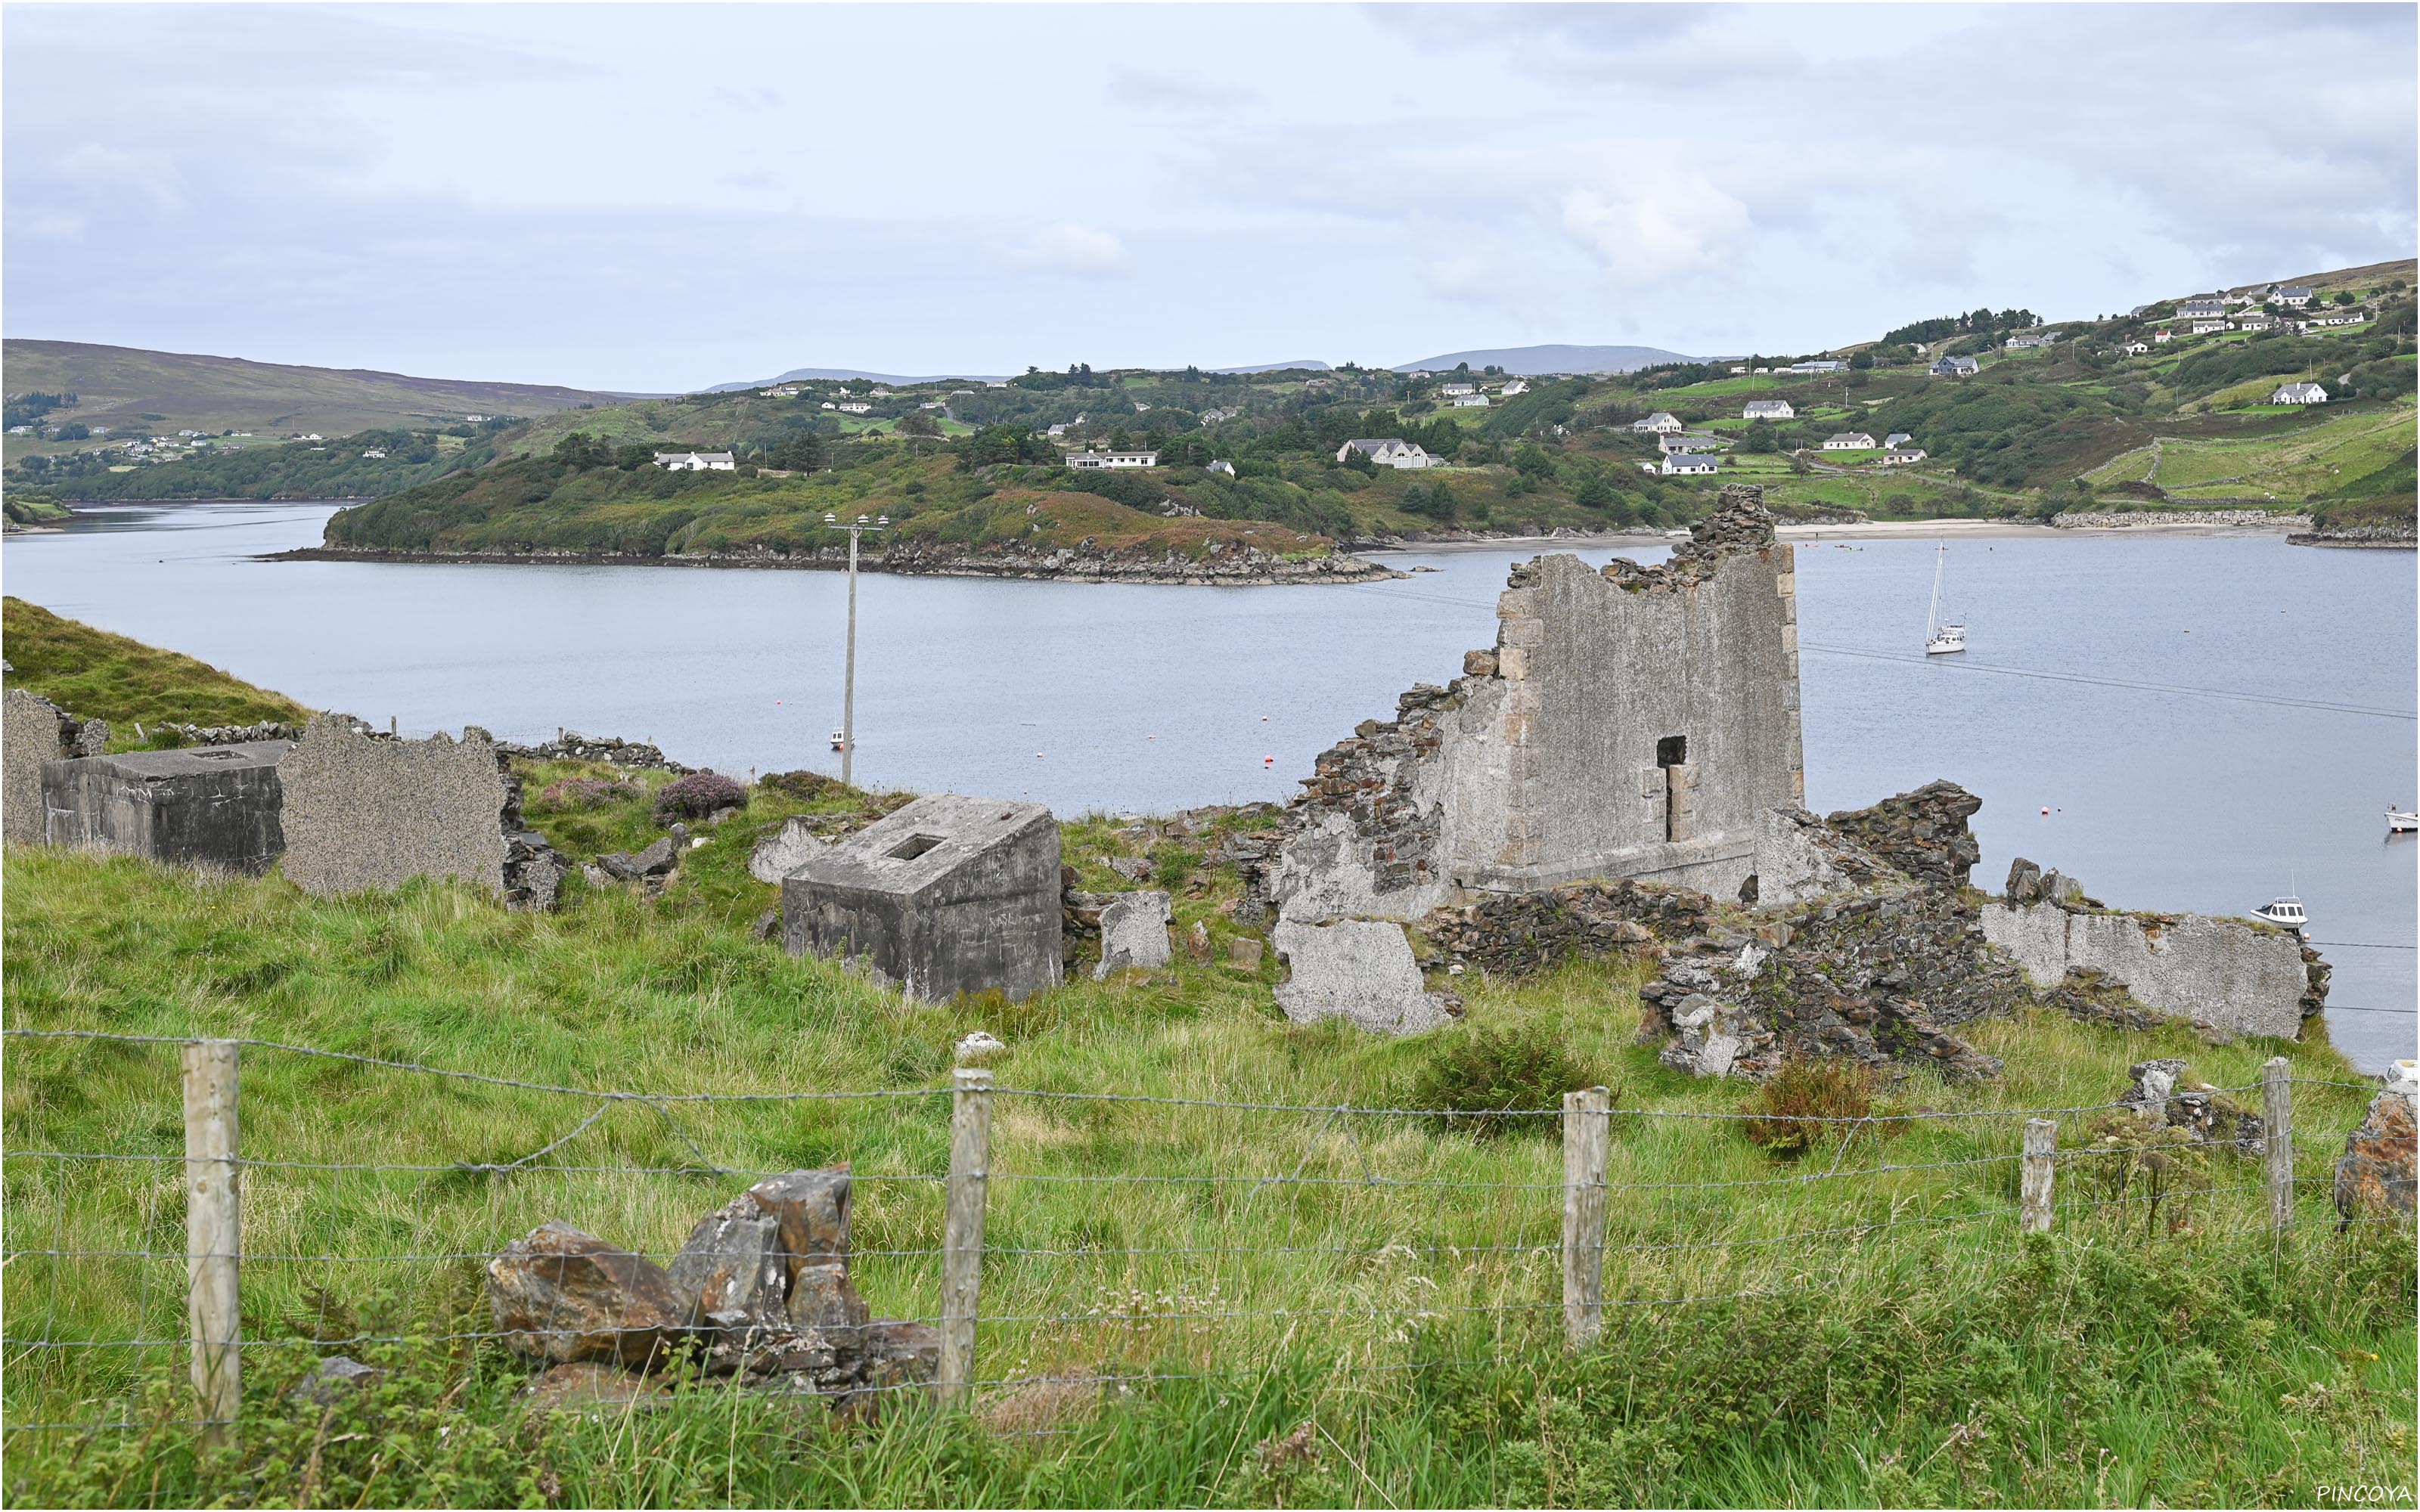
{"points": [[951, 894], [212, 806]]}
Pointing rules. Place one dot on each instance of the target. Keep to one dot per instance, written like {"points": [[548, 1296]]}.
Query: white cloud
{"points": [[1076, 250], [1656, 232]]}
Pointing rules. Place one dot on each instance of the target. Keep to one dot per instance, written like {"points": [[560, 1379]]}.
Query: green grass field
{"points": [[94, 674], [1202, 1276]]}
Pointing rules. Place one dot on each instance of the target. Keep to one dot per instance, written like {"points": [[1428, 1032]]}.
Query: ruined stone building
{"points": [[1629, 722]]}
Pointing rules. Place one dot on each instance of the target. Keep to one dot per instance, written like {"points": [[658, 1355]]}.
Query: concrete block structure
{"points": [[951, 894], [364, 810], [211, 806], [1629, 722]]}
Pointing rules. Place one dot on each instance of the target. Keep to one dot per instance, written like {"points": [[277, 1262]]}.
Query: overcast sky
{"points": [[657, 198]]}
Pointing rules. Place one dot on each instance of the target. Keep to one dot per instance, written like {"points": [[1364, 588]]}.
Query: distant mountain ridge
{"points": [[1306, 364], [816, 375], [1534, 360], [118, 386]]}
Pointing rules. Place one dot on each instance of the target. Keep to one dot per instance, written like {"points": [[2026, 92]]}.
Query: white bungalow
{"points": [[2300, 393], [1902, 456], [374, 452], [1517, 386], [857, 406], [1094, 461], [1470, 401], [1668, 444], [1662, 420], [696, 461], [1687, 464], [1227, 467], [1387, 451], [2136, 349], [1848, 440], [1768, 409], [2210, 309], [2206, 327], [2161, 338], [1455, 391], [2292, 297], [1897, 439]]}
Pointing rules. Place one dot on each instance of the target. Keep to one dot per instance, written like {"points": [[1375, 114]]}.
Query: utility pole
{"points": [[848, 678]]}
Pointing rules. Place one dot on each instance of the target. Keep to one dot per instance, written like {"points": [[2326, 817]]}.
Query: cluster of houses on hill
{"points": [[1475, 397]]}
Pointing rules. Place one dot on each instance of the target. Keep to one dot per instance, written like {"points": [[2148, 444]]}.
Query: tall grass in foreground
{"points": [[1786, 1327]]}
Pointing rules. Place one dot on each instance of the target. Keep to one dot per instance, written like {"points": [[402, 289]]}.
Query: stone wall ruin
{"points": [[1629, 722], [33, 733]]}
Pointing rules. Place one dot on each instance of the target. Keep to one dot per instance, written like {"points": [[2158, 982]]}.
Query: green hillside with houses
{"points": [[2292, 398]]}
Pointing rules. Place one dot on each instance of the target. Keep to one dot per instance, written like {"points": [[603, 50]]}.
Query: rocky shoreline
{"points": [[1222, 566], [2359, 537]]}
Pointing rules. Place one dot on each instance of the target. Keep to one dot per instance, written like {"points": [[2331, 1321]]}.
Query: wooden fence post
{"points": [[963, 1235], [1588, 1138], [213, 1235], [2041, 1143], [2277, 1112]]}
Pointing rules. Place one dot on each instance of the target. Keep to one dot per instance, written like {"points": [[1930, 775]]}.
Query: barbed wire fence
{"points": [[999, 1217]]}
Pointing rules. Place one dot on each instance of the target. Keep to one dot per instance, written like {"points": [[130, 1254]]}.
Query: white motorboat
{"points": [[2402, 821], [1942, 637], [2285, 913]]}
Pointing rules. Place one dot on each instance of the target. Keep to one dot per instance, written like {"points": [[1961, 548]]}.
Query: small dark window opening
{"points": [[1673, 750], [214, 755], [913, 846]]}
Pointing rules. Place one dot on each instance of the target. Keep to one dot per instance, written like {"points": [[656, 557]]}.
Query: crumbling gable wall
{"points": [[364, 810], [1632, 722]]}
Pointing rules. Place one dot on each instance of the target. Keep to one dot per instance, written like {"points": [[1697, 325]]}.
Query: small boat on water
{"points": [[1942, 637], [2285, 913], [2402, 821]]}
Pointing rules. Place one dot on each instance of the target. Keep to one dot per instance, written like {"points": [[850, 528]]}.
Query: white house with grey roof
{"points": [[2292, 296], [1096, 461], [1848, 440], [696, 461], [2300, 393], [1956, 367], [1768, 409], [2209, 309], [1687, 464], [1387, 451], [1662, 420]]}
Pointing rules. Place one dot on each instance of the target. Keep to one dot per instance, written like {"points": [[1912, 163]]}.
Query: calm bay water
{"points": [[1144, 699]]}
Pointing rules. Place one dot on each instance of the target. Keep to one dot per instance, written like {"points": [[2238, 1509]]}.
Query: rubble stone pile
{"points": [[761, 1292]]}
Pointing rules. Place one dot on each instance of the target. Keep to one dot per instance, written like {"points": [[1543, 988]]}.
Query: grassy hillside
{"points": [[94, 674], [127, 388], [1859, 1324]]}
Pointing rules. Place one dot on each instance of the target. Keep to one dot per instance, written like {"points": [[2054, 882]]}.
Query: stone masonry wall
{"points": [[2239, 976], [33, 731], [364, 812], [1629, 722]]}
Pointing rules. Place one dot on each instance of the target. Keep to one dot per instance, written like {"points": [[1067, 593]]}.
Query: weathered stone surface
{"points": [[1360, 970], [562, 1295], [33, 734], [951, 894], [901, 1353], [591, 1388], [1632, 722], [533, 870], [1134, 933], [2238, 976], [786, 851], [1708, 1035], [572, 745], [734, 1273], [1244, 953], [2166, 1094], [218, 806], [809, 1209], [364, 812], [2379, 1171], [1922, 834], [1510, 933], [325, 1383], [1799, 857], [979, 1048]]}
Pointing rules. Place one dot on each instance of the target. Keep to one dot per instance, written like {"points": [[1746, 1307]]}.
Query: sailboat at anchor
{"points": [[1942, 637]]}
